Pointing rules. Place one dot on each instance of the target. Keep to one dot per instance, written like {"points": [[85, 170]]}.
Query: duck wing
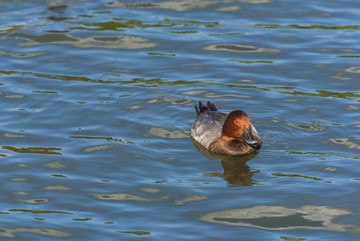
{"points": [[207, 126]]}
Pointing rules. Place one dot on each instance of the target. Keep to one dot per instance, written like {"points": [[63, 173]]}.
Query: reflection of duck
{"points": [[223, 132], [236, 171]]}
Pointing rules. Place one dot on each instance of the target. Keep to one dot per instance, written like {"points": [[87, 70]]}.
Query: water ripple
{"points": [[281, 218], [97, 101]]}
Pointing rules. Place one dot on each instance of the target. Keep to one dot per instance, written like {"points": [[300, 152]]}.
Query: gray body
{"points": [[208, 126]]}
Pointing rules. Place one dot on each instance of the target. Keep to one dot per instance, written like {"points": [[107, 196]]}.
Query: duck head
{"points": [[237, 126]]}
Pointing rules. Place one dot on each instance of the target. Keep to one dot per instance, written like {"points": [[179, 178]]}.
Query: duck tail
{"points": [[209, 106]]}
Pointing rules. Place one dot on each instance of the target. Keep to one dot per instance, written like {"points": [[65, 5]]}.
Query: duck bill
{"points": [[249, 138]]}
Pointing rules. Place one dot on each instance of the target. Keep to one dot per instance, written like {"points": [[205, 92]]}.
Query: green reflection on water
{"points": [[45, 92], [156, 82], [105, 26], [136, 232], [225, 34], [315, 26], [325, 123], [162, 181], [139, 81], [58, 77], [348, 56], [124, 141], [291, 239], [118, 24], [37, 150], [142, 82], [38, 211], [298, 175], [161, 54], [82, 219], [193, 22], [324, 154], [324, 93], [354, 27], [14, 28], [182, 32], [252, 62], [58, 8], [58, 175]]}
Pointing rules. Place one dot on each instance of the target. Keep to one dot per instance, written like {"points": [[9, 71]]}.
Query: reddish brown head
{"points": [[238, 126], [234, 124]]}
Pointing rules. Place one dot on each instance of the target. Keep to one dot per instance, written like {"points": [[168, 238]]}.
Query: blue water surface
{"points": [[97, 102]]}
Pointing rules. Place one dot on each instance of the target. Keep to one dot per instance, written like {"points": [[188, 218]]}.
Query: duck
{"points": [[223, 132]]}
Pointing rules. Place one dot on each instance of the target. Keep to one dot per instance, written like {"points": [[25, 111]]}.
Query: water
{"points": [[97, 101]]}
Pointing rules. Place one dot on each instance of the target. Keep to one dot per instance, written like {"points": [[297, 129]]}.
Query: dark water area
{"points": [[97, 101]]}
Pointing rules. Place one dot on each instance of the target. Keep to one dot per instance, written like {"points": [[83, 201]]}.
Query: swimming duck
{"points": [[223, 132]]}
